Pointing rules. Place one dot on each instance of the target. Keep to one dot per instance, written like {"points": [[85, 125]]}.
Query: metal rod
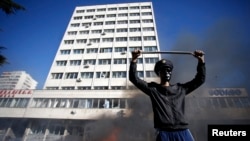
{"points": [[167, 52]]}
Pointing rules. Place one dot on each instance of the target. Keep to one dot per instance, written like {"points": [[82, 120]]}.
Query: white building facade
{"points": [[17, 80], [95, 50]]}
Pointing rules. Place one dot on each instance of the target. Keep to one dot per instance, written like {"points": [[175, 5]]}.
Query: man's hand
{"points": [[199, 54], [135, 55]]}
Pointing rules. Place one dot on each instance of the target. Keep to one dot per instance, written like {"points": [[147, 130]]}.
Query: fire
{"points": [[113, 136]]}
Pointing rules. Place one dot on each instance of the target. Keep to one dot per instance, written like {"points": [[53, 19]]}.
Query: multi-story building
{"points": [[95, 50], [87, 95], [17, 80]]}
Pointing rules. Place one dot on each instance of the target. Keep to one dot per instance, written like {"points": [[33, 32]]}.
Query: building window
{"points": [[96, 31], [84, 88], [102, 74], [79, 11], [84, 32], [123, 15], [68, 88], [96, 40], [75, 24], [14, 102], [122, 22], [98, 23], [81, 41], [134, 21], [90, 10], [119, 74], [101, 9], [120, 61], [150, 48], [64, 52], [87, 75], [135, 48], [101, 105], [123, 8], [118, 87], [105, 50], [72, 32], [121, 39], [140, 74], [61, 63], [145, 7], [120, 49], [146, 13], [149, 38], [147, 21], [56, 75], [86, 24], [112, 9], [151, 60], [89, 62], [134, 38], [134, 14], [78, 51], [52, 88], [134, 29], [88, 17], [100, 16], [139, 60], [71, 75], [104, 61], [92, 50], [134, 7], [111, 15], [107, 39], [68, 42], [109, 30], [109, 22], [75, 62], [78, 18], [122, 30], [150, 74], [148, 29]]}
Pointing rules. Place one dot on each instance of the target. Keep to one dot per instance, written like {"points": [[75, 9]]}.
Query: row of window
{"points": [[64, 103], [86, 25], [79, 103], [113, 9], [118, 30], [89, 88], [115, 103], [103, 74], [112, 15], [117, 39], [116, 61], [105, 50], [14, 102]]}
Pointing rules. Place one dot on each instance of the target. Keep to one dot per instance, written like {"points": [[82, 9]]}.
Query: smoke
{"points": [[136, 127], [226, 59], [227, 55]]}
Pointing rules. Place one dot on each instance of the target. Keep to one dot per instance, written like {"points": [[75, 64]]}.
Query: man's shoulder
{"points": [[153, 84]]}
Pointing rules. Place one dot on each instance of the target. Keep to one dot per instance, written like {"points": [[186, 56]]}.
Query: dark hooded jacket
{"points": [[168, 103]]}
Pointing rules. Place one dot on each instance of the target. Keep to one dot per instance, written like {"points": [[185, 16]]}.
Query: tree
{"points": [[8, 7], [3, 59]]}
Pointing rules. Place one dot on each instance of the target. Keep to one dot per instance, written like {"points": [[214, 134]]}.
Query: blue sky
{"points": [[32, 37]]}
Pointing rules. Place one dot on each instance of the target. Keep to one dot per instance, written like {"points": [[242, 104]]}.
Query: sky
{"points": [[218, 27]]}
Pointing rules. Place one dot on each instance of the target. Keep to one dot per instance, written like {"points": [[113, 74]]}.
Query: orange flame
{"points": [[113, 136]]}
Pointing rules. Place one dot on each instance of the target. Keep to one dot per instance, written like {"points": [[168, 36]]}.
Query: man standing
{"points": [[168, 100]]}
